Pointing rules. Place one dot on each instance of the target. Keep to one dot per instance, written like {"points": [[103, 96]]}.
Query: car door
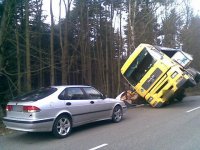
{"points": [[78, 104], [101, 107]]}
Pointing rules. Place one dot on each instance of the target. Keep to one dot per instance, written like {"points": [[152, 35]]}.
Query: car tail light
{"points": [[9, 108], [30, 109]]}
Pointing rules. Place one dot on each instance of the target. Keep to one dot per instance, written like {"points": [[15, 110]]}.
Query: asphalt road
{"points": [[175, 127]]}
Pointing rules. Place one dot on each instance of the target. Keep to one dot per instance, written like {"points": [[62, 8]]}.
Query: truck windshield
{"points": [[139, 67]]}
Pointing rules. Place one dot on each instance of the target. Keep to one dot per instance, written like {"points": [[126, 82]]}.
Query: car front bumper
{"points": [[124, 109], [28, 125]]}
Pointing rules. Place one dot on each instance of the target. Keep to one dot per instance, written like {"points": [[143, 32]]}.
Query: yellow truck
{"points": [[159, 74]]}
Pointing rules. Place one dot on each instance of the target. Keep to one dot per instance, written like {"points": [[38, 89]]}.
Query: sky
{"points": [[55, 6], [196, 6], [46, 7]]}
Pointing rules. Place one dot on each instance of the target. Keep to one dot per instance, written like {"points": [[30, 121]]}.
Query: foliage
{"points": [[190, 38]]}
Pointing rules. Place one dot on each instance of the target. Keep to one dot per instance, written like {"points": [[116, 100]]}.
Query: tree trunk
{"points": [[52, 46], [131, 23], [89, 59], [18, 60], [39, 32], [28, 58], [119, 53], [107, 61], [3, 29], [65, 60], [61, 37]]}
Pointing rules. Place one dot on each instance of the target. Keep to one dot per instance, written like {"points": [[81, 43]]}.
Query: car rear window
{"points": [[36, 94]]}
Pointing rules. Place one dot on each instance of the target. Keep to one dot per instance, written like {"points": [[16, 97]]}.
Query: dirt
{"points": [[3, 130]]}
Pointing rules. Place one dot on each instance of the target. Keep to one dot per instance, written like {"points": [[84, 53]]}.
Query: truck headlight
{"points": [[174, 74], [150, 99]]}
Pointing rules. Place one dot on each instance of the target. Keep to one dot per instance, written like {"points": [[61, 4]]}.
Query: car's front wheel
{"points": [[117, 114], [62, 126]]}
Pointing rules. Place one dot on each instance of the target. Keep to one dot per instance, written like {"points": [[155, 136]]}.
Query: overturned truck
{"points": [[158, 74]]}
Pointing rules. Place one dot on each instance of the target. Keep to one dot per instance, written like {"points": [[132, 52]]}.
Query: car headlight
{"points": [[174, 74]]}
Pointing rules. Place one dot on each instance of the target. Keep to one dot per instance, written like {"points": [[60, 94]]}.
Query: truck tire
{"points": [[180, 95]]}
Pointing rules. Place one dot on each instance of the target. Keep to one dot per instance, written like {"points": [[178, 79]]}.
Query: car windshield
{"points": [[139, 67], [35, 95]]}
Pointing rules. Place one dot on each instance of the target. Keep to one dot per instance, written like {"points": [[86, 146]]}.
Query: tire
{"points": [[62, 126], [180, 95], [117, 114]]}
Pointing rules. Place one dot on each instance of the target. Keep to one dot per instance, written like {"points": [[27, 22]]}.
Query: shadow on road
{"points": [[37, 137], [90, 126], [32, 137]]}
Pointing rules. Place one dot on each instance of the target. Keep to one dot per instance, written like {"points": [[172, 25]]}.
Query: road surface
{"points": [[175, 127]]}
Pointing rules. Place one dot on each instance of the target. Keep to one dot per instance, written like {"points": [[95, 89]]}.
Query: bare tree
{"points": [[28, 52], [18, 59], [132, 4], [2, 33], [39, 4], [52, 46], [65, 59]]}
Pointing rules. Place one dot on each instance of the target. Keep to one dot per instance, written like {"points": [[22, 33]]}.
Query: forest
{"points": [[89, 44]]}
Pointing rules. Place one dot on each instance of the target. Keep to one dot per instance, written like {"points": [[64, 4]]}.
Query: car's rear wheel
{"points": [[117, 114], [62, 126]]}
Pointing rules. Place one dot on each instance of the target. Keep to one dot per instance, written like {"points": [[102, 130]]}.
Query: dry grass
{"points": [[3, 130]]}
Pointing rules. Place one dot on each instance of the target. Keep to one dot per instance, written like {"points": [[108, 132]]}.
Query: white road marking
{"points": [[192, 109], [97, 147]]}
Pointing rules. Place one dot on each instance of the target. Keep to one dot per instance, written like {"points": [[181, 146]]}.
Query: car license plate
{"points": [[18, 108]]}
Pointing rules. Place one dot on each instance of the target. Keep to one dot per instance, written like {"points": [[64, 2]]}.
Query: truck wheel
{"points": [[180, 95], [62, 126]]}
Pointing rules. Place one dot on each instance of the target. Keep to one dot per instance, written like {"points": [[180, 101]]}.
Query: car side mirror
{"points": [[103, 96]]}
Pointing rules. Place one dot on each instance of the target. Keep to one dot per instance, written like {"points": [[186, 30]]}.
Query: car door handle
{"points": [[68, 103], [91, 102]]}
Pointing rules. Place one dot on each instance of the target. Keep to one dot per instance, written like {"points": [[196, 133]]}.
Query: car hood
{"points": [[113, 100], [119, 96]]}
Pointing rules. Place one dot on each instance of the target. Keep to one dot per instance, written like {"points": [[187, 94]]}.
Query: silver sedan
{"points": [[59, 108]]}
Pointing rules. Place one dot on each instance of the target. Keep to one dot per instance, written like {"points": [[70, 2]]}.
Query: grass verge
{"points": [[3, 130]]}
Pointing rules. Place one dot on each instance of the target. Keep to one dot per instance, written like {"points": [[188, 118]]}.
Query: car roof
{"points": [[65, 86]]}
